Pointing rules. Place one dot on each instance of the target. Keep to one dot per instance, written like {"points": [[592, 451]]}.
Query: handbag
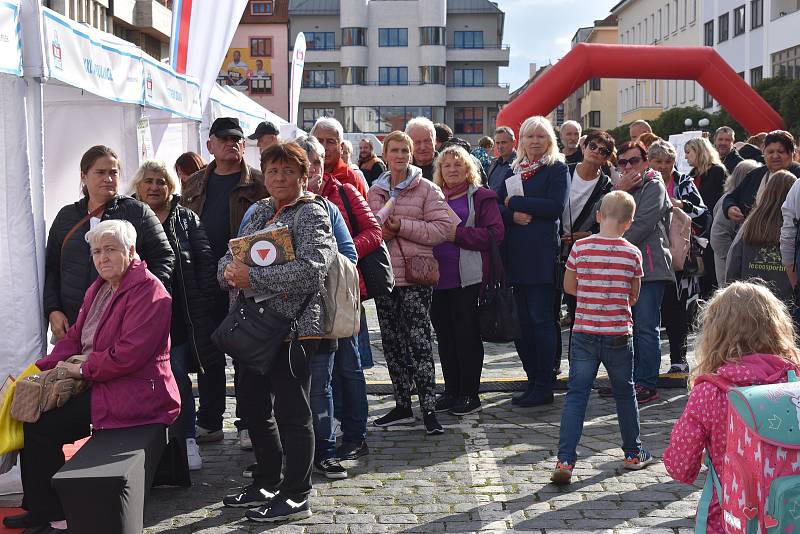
{"points": [[498, 318], [39, 393], [422, 270], [252, 334], [375, 267], [11, 433], [694, 264]]}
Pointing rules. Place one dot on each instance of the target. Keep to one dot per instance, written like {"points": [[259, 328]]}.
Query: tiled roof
{"points": [[472, 6], [313, 7]]}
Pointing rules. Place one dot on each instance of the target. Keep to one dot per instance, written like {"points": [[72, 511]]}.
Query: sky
{"points": [[540, 31]]}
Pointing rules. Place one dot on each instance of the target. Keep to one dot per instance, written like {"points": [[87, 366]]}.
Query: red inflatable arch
{"points": [[586, 61]]}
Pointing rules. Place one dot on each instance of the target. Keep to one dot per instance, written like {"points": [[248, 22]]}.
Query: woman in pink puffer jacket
{"points": [[413, 215]]}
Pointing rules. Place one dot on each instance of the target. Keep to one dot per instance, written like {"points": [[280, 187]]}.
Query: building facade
{"points": [[659, 23], [374, 64], [598, 105], [572, 105], [758, 38]]}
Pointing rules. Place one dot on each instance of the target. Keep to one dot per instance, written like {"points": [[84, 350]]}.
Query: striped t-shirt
{"points": [[606, 267]]}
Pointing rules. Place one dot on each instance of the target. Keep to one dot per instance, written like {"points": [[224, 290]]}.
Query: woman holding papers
{"points": [[531, 202]]}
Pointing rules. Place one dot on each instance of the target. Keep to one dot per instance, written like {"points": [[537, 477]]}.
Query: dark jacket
{"points": [[744, 196], [586, 220], [750, 261], [372, 168], [732, 160], [711, 184], [250, 189], [69, 275], [532, 249], [499, 171]]}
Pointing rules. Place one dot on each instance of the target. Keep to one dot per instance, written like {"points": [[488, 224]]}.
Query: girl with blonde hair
{"points": [[746, 338]]}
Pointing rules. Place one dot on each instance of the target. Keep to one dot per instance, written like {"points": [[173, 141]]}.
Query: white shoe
{"points": [[193, 455], [244, 440]]}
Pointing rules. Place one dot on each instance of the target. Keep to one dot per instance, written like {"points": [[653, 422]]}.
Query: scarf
{"points": [[455, 191], [528, 170]]}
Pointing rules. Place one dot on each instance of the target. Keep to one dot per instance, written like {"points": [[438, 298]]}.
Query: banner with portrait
{"points": [[248, 73]]}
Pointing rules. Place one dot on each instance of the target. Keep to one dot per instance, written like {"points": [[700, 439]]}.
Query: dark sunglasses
{"points": [[622, 163], [599, 148]]}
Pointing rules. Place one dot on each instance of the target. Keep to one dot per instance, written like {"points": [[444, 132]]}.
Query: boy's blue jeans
{"points": [[588, 352]]}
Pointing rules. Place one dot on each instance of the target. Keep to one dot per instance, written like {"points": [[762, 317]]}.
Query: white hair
{"points": [[349, 145], [725, 129], [642, 122], [159, 167], [421, 122], [328, 123], [531, 123], [576, 124], [311, 145], [119, 229]]}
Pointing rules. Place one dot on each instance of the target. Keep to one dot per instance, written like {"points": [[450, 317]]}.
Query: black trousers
{"points": [[43, 456], [275, 407], [676, 320], [454, 314]]}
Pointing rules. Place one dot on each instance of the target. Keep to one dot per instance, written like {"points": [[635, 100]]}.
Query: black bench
{"points": [[104, 485]]}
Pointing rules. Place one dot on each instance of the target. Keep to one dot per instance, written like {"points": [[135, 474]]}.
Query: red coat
{"points": [[369, 235], [129, 369], [346, 175]]}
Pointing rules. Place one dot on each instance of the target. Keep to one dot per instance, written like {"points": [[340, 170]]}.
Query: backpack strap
{"points": [[703, 506], [719, 382]]}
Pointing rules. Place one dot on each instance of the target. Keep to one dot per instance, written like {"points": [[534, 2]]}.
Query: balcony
{"points": [[413, 93], [486, 92], [319, 55], [153, 17], [488, 53], [320, 93]]}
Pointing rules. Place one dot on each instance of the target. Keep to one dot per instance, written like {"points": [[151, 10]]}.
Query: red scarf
{"points": [[455, 191], [528, 170]]}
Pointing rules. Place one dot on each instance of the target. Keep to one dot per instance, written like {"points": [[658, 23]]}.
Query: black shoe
{"points": [[331, 468], [24, 520], [352, 451], [397, 416], [445, 402], [280, 509], [523, 395], [250, 497], [466, 405], [432, 425], [249, 470], [536, 399], [45, 529]]}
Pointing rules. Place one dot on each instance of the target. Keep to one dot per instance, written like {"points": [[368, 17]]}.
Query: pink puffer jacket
{"points": [[424, 219]]}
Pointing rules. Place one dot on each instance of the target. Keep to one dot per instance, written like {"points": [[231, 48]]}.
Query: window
{"points": [[741, 74], [657, 28], [393, 75], [708, 31], [310, 116], [724, 24], [261, 84], [594, 84], [384, 119], [432, 75], [468, 77], [677, 13], [393, 37], [354, 75], [756, 14], [354, 37], [431, 35], [319, 78], [692, 11], [708, 100], [261, 46], [320, 40], [468, 121], [787, 63], [468, 39], [666, 22], [261, 8], [594, 119], [756, 75], [738, 21]]}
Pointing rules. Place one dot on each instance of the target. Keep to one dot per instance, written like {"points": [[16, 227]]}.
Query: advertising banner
{"points": [[298, 62], [167, 90], [248, 73], [10, 38]]}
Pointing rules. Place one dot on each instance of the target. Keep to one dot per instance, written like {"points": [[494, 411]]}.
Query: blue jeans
{"points": [[364, 348], [178, 360], [588, 351], [646, 341], [538, 342], [350, 392], [321, 401]]}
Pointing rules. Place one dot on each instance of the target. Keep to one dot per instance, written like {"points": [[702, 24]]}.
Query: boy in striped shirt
{"points": [[604, 272]]}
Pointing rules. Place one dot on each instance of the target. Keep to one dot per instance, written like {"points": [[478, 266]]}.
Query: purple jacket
{"points": [[129, 370]]}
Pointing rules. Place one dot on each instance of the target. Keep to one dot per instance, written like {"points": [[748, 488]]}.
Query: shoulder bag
{"points": [[422, 270], [497, 309], [39, 393]]}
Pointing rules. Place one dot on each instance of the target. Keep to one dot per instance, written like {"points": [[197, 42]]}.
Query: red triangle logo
{"points": [[264, 252]]}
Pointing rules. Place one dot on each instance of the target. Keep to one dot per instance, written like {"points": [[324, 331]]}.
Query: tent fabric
{"points": [[10, 48]]}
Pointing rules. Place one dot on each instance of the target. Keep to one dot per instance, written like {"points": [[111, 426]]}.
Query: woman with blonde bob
{"points": [[532, 247], [746, 338], [463, 267]]}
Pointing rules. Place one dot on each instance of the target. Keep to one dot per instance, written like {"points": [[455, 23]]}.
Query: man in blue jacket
{"points": [[500, 169]]}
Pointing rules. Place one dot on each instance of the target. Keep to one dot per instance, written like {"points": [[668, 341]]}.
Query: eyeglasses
{"points": [[603, 151], [286, 173], [622, 163]]}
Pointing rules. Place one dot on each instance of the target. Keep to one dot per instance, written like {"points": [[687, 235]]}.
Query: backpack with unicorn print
{"points": [[761, 484]]}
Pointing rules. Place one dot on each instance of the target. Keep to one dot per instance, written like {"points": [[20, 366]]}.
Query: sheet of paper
{"points": [[514, 186]]}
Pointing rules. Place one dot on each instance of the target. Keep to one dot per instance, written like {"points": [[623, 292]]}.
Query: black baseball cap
{"points": [[226, 127], [265, 128]]}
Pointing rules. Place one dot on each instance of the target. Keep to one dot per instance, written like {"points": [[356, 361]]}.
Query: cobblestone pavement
{"points": [[489, 472]]}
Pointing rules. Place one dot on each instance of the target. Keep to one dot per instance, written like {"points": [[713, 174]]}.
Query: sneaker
{"points": [[645, 395], [331, 468], [562, 474], [432, 425], [466, 405], [605, 391], [397, 416], [352, 451], [249, 470], [250, 497], [204, 435], [638, 461], [516, 399], [245, 443], [678, 369], [445, 402], [193, 455], [280, 510]]}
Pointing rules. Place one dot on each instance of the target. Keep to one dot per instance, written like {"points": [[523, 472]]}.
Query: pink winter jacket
{"points": [[424, 219], [129, 370], [703, 424]]}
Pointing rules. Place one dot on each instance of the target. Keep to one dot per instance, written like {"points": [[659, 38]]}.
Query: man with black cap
{"points": [[220, 194], [265, 136]]}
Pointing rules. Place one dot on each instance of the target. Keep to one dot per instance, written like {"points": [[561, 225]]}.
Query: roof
{"points": [[619, 6], [472, 6], [313, 7]]}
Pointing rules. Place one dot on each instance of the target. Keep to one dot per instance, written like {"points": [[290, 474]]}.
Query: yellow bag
{"points": [[11, 437]]}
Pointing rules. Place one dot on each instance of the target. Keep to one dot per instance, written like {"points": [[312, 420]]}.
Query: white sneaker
{"points": [[193, 455], [244, 440]]}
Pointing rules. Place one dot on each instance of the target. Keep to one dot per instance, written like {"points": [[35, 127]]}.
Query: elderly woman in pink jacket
{"points": [[415, 218], [123, 329]]}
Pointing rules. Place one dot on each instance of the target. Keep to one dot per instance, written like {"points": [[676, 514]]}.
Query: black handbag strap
{"points": [[349, 209], [495, 262]]}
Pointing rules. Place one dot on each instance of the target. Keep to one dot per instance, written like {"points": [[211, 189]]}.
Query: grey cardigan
{"points": [[650, 226], [470, 262]]}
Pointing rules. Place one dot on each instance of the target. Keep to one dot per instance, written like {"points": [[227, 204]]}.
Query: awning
{"points": [[10, 38]]}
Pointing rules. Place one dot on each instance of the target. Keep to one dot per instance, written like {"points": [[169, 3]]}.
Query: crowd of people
{"points": [[139, 281]]}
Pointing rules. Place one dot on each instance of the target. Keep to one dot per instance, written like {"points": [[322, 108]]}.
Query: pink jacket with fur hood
{"points": [[424, 218]]}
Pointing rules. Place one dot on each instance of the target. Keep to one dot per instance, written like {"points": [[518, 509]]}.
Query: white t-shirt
{"points": [[579, 192]]}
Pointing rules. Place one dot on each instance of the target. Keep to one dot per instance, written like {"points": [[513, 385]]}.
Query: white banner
{"points": [[84, 57], [298, 62], [144, 140], [10, 38], [167, 90]]}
